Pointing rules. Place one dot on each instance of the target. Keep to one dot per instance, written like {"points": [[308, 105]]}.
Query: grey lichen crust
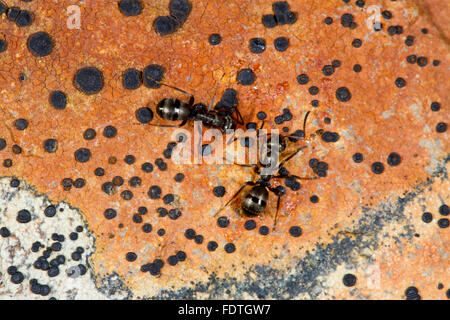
{"points": [[73, 281]]}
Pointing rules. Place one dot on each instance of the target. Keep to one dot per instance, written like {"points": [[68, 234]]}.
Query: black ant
{"points": [[255, 201], [173, 109]]}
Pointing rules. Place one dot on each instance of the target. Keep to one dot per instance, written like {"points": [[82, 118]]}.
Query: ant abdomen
{"points": [[254, 203], [173, 109]]}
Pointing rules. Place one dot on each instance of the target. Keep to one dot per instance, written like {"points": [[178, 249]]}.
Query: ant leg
{"points": [[262, 125], [248, 183], [239, 119], [278, 194], [304, 122], [297, 177], [291, 156], [182, 123], [242, 165]]}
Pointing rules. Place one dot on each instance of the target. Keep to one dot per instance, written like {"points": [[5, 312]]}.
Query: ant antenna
{"points": [[169, 86], [304, 122], [215, 92]]}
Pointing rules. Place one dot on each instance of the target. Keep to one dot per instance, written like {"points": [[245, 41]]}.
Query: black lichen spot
{"points": [[212, 246], [435, 106], [58, 99], [328, 70], [246, 77], [230, 248], [357, 68], [343, 94], [328, 20], [24, 19], [303, 79], [50, 145], [131, 79], [444, 210], [427, 217], [154, 192], [82, 155], [67, 184], [14, 183], [179, 9], [79, 183], [357, 43], [400, 82], [257, 45], [89, 80], [412, 293], [4, 232], [174, 214], [109, 132], [441, 127], [137, 218], [7, 163], [443, 223], [23, 216], [152, 74], [422, 61], [21, 124], [349, 280], [131, 256], [377, 167], [168, 198], [130, 8], [147, 167], [110, 213], [263, 230], [179, 177], [144, 115], [332, 137], [40, 44], [16, 149], [89, 134], [281, 43], [394, 159], [12, 13], [129, 159], [269, 21], [198, 239], [163, 25], [358, 157], [386, 14], [219, 191], [3, 45], [214, 39], [313, 90], [295, 231], [250, 224], [50, 211], [189, 234], [409, 41], [147, 228], [223, 222], [117, 181]]}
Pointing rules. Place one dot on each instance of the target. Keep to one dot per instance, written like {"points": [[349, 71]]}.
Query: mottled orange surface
{"points": [[379, 119]]}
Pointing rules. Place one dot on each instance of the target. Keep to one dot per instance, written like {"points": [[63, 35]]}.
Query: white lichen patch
{"points": [[74, 279]]}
